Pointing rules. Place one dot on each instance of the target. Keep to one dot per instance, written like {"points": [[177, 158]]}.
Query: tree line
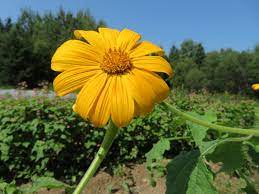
{"points": [[27, 45], [216, 71]]}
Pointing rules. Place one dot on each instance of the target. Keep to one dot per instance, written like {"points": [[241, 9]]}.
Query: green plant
{"points": [[189, 172], [37, 183], [43, 137]]}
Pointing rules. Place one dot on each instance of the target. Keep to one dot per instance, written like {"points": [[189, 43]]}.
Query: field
{"points": [[42, 137]]}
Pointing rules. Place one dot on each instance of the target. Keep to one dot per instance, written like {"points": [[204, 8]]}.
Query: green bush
{"points": [[43, 137]]}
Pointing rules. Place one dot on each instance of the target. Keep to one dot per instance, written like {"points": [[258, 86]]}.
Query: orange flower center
{"points": [[116, 62]]}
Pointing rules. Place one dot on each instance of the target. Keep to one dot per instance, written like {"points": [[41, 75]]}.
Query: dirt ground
{"points": [[133, 181]]}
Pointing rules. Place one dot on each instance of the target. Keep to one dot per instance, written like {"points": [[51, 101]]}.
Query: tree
{"points": [[26, 46], [194, 79], [174, 54]]}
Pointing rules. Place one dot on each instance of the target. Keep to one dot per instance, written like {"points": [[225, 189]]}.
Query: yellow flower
{"points": [[114, 72], [255, 86]]}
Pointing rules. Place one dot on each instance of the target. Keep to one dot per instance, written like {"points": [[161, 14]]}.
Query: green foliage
{"points": [[200, 132], [157, 151], [154, 159], [188, 174], [230, 155], [201, 180], [179, 172], [224, 70], [230, 115], [49, 183], [37, 183], [43, 137], [27, 45]]}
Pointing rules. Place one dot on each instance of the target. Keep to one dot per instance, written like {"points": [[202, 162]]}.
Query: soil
{"points": [[133, 180]]}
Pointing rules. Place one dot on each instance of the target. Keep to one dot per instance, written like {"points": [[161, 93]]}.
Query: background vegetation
{"points": [[43, 137], [26, 47]]}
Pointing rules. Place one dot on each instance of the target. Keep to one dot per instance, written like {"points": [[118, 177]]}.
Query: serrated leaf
{"points": [[158, 150], [200, 132], [209, 147], [201, 180], [179, 171], [230, 154], [46, 182], [210, 116]]}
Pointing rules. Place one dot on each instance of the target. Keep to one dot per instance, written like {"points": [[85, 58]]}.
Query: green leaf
{"points": [[209, 116], [9, 188], [209, 147], [157, 152], [179, 171], [230, 154], [38, 148], [47, 182], [201, 180], [200, 132]]}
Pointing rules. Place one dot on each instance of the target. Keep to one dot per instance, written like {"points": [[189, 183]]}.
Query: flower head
{"points": [[255, 86], [114, 72]]}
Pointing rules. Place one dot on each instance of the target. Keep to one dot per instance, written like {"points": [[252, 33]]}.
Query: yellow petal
{"points": [[73, 79], [122, 110], [89, 93], [142, 93], [93, 37], [145, 48], [255, 86], [127, 39], [159, 86], [110, 37], [101, 111], [146, 88], [153, 63], [74, 53]]}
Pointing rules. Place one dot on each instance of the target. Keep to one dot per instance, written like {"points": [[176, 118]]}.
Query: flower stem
{"points": [[103, 150], [254, 132]]}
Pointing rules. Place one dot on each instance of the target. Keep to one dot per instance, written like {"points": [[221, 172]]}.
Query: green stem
{"points": [[103, 150], [254, 132]]}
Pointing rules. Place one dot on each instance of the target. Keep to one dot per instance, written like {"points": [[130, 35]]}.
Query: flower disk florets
{"points": [[116, 61]]}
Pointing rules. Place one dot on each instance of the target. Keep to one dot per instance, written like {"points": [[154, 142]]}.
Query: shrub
{"points": [[43, 137]]}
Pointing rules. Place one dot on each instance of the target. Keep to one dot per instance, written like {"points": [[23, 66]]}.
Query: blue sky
{"points": [[217, 24]]}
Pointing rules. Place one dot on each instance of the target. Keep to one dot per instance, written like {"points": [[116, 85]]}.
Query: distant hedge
{"points": [[41, 136]]}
